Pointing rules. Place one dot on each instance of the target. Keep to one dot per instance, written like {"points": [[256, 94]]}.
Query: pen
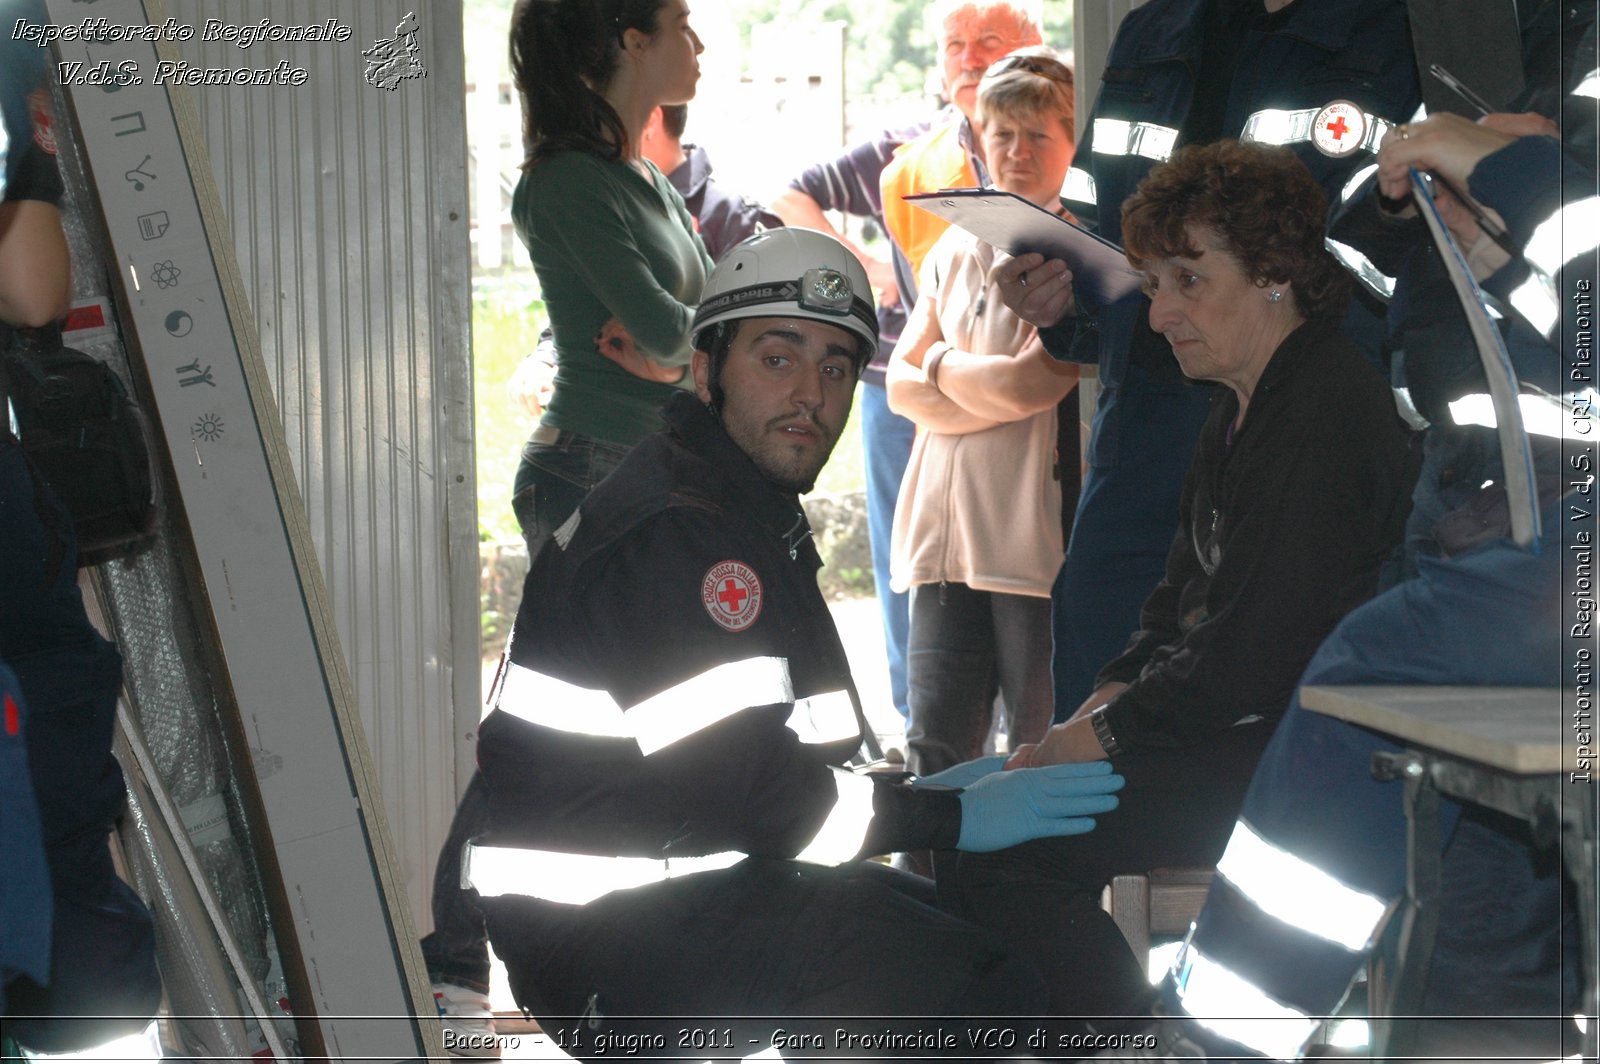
{"points": [[1495, 233], [1459, 87]]}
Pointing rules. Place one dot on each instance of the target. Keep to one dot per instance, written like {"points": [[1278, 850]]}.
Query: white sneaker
{"points": [[468, 1022]]}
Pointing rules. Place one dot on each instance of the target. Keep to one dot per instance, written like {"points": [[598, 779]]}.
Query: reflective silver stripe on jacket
{"points": [[1297, 892], [1078, 186], [709, 698], [1542, 415], [1229, 1004], [1569, 233], [1357, 179], [1373, 279], [664, 718], [551, 703], [1114, 136], [1273, 126], [840, 837], [577, 878], [825, 718]]}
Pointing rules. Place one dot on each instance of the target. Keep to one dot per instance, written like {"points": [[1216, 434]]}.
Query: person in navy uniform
{"points": [[675, 710], [1323, 78]]}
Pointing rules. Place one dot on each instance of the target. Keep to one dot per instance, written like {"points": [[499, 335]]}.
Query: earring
{"points": [[1274, 296]]}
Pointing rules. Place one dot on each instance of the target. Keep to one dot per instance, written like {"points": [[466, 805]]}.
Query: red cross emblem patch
{"points": [[731, 593], [1339, 129], [44, 132]]}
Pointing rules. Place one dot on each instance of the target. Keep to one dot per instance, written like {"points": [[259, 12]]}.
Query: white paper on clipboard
{"points": [[1016, 226], [1515, 452]]}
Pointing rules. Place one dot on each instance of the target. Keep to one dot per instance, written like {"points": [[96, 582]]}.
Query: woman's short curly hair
{"points": [[1261, 201]]}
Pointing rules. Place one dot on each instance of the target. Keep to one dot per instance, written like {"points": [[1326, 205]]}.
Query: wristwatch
{"points": [[1102, 732]]}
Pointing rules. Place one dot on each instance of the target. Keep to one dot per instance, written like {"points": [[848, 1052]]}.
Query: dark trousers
{"points": [[551, 482], [458, 951], [765, 946], [1493, 617], [102, 944], [967, 646], [1043, 897]]}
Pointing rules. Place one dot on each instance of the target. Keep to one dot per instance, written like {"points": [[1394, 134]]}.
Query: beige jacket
{"points": [[983, 508]]}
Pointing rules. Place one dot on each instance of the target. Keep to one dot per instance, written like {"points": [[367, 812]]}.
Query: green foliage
{"points": [[507, 317], [888, 49], [845, 471], [888, 53], [496, 629], [844, 582]]}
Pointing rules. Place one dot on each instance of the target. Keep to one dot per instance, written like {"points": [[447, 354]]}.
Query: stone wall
{"points": [[839, 523]]}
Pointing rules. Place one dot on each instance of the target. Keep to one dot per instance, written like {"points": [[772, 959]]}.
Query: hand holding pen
{"points": [[1449, 147]]}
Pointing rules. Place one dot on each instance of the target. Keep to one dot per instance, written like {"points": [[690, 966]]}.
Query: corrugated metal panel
{"points": [[348, 208]]}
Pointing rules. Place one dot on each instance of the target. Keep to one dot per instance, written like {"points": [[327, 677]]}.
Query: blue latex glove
{"points": [[1005, 808], [963, 775]]}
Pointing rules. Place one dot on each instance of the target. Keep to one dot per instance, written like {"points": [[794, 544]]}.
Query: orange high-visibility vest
{"points": [[932, 161]]}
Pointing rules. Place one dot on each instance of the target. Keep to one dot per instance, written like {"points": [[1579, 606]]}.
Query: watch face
{"points": [[1102, 730]]}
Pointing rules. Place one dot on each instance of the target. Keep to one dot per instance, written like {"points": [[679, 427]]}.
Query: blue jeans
{"points": [[551, 482], [888, 438], [554, 477]]}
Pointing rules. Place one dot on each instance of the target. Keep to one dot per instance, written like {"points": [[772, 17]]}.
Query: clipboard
{"points": [[1100, 270], [1521, 493]]}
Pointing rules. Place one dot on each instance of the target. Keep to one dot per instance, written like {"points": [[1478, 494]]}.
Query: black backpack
{"points": [[87, 439]]}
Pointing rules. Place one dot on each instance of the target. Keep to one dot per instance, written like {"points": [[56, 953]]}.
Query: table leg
{"points": [[1578, 853], [1395, 1016]]}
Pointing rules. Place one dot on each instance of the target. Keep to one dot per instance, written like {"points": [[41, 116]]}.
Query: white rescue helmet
{"points": [[791, 272]]}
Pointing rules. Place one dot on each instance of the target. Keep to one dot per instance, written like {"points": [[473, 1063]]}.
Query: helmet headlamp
{"points": [[827, 290]]}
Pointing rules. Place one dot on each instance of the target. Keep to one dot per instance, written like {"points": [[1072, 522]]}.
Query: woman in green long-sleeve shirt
{"points": [[615, 249], [621, 269]]}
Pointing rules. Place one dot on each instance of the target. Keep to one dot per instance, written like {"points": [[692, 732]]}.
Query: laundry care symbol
{"points": [[207, 427], [192, 374], [165, 274]]}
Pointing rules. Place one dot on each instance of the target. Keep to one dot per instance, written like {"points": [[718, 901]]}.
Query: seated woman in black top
{"points": [[1298, 491]]}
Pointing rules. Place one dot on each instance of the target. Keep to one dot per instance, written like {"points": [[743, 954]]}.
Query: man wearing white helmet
{"points": [[675, 709]]}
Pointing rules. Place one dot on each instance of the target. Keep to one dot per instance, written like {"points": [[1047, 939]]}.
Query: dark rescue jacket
{"points": [[675, 684]]}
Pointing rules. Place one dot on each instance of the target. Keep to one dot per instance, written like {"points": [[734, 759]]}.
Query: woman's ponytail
{"points": [[564, 54]]}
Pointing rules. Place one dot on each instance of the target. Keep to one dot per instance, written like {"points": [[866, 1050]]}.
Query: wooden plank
{"points": [[1516, 729]]}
